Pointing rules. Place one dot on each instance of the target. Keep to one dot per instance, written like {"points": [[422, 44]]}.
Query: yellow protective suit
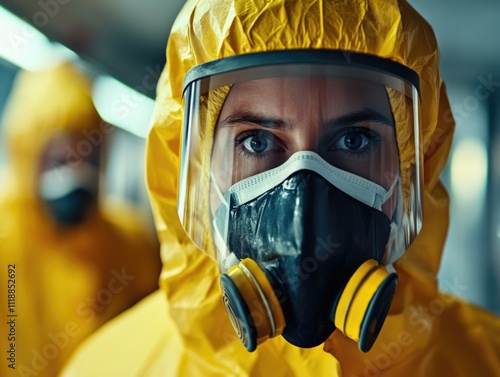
{"points": [[57, 287], [187, 332]]}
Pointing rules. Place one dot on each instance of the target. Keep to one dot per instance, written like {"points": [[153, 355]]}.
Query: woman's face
{"points": [[263, 122]]}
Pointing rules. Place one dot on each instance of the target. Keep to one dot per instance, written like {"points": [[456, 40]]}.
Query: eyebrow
{"points": [[365, 115], [257, 119]]}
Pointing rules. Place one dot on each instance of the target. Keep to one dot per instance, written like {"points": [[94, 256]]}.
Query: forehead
{"points": [[306, 95], [65, 147]]}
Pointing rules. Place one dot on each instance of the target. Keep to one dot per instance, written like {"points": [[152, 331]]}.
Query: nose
{"points": [[308, 139]]}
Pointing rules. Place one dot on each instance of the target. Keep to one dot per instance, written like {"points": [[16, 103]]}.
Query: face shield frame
{"points": [[227, 71]]}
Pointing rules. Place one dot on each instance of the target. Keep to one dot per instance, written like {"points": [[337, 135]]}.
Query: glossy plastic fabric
{"points": [[67, 283], [300, 233], [425, 334]]}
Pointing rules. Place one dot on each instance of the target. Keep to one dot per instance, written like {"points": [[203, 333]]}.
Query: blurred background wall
{"points": [[468, 34], [122, 43]]}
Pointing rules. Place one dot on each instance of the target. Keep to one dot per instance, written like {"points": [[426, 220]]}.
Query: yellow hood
{"points": [[56, 273], [205, 31], [37, 111]]}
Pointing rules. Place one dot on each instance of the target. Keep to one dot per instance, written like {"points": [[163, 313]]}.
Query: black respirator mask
{"points": [[293, 180], [307, 254], [68, 194]]}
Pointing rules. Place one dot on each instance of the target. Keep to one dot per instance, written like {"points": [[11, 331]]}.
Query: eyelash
{"points": [[373, 140], [245, 135]]}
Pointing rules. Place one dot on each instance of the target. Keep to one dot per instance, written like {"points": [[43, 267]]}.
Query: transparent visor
{"points": [[246, 131]]}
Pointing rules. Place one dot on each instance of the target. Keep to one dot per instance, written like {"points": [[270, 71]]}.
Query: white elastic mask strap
{"points": [[396, 246], [219, 238], [220, 244], [390, 267], [217, 190], [359, 188], [228, 262], [388, 195]]}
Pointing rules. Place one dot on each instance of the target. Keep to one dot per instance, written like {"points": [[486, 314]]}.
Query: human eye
{"points": [[355, 141], [257, 143]]}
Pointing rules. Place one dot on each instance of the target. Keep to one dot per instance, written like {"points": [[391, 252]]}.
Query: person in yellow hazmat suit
{"points": [[69, 260], [300, 145]]}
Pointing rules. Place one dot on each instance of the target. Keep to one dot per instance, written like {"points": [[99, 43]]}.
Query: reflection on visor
{"points": [[282, 157], [249, 118], [347, 122]]}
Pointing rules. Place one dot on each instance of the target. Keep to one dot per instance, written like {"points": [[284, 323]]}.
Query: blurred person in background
{"points": [[299, 145], [70, 258]]}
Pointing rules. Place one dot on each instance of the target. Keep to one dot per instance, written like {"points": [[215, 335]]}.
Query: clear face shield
{"points": [[300, 175]]}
